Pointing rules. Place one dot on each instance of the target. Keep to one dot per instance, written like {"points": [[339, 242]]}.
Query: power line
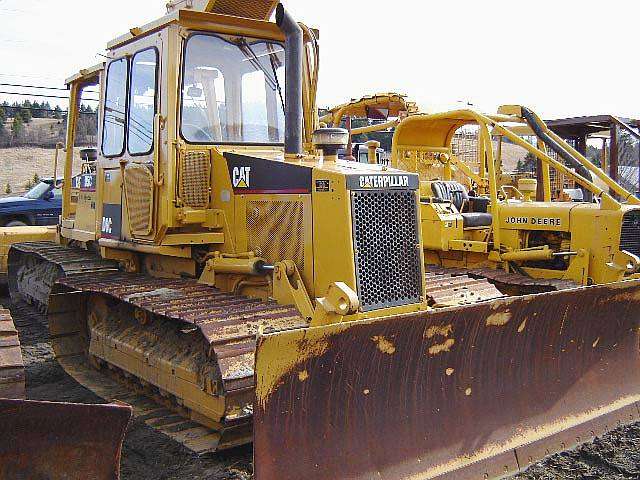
{"points": [[33, 86], [40, 87], [46, 96]]}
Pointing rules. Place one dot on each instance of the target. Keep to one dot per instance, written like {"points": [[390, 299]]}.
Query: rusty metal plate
{"points": [[449, 291], [61, 441], [451, 393]]}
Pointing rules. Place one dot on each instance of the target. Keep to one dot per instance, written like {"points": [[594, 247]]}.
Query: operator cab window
{"points": [[142, 102], [233, 91], [114, 108]]}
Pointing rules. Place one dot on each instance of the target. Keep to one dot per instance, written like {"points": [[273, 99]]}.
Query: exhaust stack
{"points": [[294, 46]]}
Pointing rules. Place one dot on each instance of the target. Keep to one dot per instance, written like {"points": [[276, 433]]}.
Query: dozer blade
{"points": [[479, 391], [61, 441]]}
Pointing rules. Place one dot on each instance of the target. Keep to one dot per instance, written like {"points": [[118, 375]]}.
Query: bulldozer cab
{"points": [[172, 93]]}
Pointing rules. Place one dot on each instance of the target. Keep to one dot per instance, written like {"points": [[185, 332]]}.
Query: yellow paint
{"points": [[441, 330], [468, 392], [283, 353], [11, 235], [595, 344], [384, 345], [303, 376], [449, 372], [442, 347], [498, 319]]}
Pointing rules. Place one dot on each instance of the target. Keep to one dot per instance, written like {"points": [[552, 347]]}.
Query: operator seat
{"points": [[457, 194]]}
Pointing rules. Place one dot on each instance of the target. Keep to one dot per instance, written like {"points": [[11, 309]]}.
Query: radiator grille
{"points": [[630, 234], [138, 189], [275, 230], [387, 252], [195, 175]]}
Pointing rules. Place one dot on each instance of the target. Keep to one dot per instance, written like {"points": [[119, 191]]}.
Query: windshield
{"points": [[233, 90], [37, 191]]}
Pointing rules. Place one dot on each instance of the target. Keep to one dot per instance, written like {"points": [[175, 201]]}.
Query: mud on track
{"points": [[148, 454]]}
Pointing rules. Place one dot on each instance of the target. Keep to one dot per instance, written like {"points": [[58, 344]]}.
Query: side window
{"points": [[142, 102], [114, 109], [57, 193], [255, 127]]}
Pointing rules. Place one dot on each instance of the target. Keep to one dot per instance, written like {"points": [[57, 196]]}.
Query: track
{"points": [[150, 454]]}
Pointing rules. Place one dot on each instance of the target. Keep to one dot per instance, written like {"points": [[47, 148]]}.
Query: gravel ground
{"points": [[148, 454]]}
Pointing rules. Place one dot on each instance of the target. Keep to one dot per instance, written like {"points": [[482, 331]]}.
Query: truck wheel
{"points": [[16, 223]]}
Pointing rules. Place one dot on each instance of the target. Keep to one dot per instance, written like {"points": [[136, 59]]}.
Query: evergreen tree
{"points": [[36, 112], [17, 127], [3, 119], [25, 112]]}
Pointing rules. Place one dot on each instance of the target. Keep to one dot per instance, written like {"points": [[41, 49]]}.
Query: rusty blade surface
{"points": [[11, 365], [61, 441], [466, 392]]}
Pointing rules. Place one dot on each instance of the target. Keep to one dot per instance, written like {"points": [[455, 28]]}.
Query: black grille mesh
{"points": [[630, 234], [387, 252]]}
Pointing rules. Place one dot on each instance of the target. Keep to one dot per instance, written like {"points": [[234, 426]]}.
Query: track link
{"points": [[12, 376], [506, 282]]}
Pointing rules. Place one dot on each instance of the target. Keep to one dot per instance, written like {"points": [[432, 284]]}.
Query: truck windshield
{"points": [[233, 90], [37, 191]]}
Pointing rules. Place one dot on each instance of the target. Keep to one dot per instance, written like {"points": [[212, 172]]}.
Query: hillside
{"points": [[19, 165]]}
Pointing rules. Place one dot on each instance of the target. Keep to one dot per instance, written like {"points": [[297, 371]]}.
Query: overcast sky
{"points": [[561, 57]]}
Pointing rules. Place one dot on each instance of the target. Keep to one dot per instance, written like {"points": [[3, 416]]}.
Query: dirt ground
{"points": [[150, 455]]}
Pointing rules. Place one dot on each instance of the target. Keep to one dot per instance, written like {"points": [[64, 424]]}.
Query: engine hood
{"points": [[9, 202]]}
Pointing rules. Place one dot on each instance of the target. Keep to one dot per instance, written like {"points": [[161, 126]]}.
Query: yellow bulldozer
{"points": [[505, 227], [233, 269]]}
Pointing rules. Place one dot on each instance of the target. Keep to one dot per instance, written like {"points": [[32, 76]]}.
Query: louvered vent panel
{"points": [[138, 184], [275, 230], [195, 179]]}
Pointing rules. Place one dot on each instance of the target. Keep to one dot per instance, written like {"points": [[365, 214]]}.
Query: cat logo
{"points": [[384, 181], [241, 177]]}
